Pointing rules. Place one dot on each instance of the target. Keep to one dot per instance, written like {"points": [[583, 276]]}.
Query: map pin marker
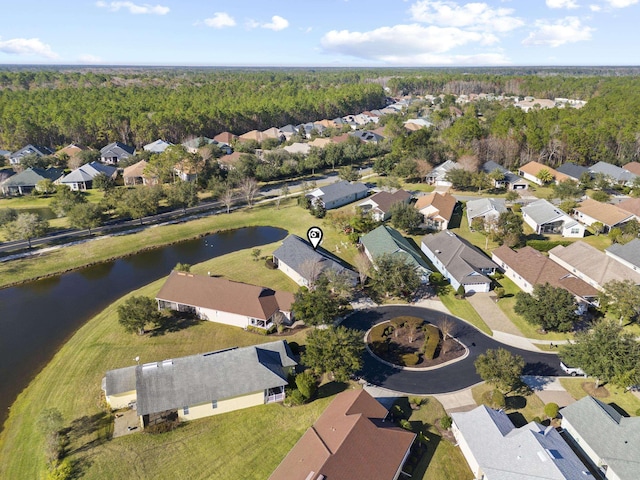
{"points": [[314, 234]]}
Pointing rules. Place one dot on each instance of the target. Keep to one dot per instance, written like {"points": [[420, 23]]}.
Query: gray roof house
{"points": [[300, 262], [438, 175], [572, 170], [367, 136], [158, 146], [338, 194], [487, 208], [613, 172], [26, 181], [82, 178], [627, 254], [511, 181], [544, 217], [116, 151], [610, 440], [459, 261], [496, 450], [16, 157], [202, 385], [288, 131]]}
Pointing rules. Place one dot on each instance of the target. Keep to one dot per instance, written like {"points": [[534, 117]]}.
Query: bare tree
{"points": [[413, 326], [363, 266], [311, 270], [447, 327], [249, 188], [469, 163], [227, 198]]}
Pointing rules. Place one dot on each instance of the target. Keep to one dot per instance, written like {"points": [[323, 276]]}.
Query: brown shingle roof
{"points": [[386, 200], [224, 295], [444, 203], [631, 205], [225, 137], [633, 167], [533, 168], [350, 441], [536, 268], [71, 150], [605, 213], [230, 159], [341, 138], [252, 135]]}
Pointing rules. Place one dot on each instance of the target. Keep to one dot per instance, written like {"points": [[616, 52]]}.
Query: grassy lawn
{"points": [[464, 310], [520, 409], [71, 383], [290, 217], [442, 460], [627, 401]]}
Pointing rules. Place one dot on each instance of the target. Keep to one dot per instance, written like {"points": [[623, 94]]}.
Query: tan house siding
{"points": [[222, 406], [121, 400]]}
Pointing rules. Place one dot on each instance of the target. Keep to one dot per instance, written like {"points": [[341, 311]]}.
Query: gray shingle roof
{"points": [[441, 170], [613, 171], [197, 379], [385, 240], [295, 252], [117, 149], [30, 149], [158, 146], [482, 206], [509, 177], [504, 452], [31, 176], [614, 438], [339, 190], [572, 170], [88, 172], [542, 212], [461, 259], [629, 252]]}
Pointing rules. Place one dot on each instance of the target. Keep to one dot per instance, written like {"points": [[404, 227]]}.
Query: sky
{"points": [[340, 33]]}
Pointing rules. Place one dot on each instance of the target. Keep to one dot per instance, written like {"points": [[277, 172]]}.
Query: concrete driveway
{"points": [[549, 389]]}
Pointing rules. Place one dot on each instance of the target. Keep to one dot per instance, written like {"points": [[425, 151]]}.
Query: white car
{"points": [[573, 371]]}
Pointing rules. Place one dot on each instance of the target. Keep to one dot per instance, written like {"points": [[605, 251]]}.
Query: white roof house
{"points": [[437, 176], [82, 178], [496, 450], [487, 208], [544, 217], [158, 146]]}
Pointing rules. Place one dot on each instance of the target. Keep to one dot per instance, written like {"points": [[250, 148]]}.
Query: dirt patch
{"points": [[600, 392]]}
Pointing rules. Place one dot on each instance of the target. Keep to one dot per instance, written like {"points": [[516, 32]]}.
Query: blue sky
{"points": [[321, 32]]}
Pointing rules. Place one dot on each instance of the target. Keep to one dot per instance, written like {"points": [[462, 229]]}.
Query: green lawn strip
{"points": [[71, 381], [464, 310], [442, 460], [521, 409], [623, 399], [292, 218]]}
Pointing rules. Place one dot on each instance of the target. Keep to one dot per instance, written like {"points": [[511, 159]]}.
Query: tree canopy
{"points": [[394, 276], [136, 312], [551, 308], [334, 350], [500, 368]]}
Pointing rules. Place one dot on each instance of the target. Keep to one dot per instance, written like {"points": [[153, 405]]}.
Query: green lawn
{"points": [[464, 310], [627, 401], [442, 460], [521, 409]]}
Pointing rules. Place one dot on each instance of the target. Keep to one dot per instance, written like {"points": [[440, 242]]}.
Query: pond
{"points": [[38, 317]]}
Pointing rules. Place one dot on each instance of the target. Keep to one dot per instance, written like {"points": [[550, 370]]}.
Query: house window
{"points": [[214, 404], [185, 410], [575, 230]]}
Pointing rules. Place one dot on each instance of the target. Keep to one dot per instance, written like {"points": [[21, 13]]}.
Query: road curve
{"points": [[449, 378]]}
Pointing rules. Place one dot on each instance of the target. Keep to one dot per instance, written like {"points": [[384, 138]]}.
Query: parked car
{"points": [[573, 371]]}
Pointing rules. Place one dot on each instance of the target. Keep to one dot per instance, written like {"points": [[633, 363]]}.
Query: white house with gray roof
{"points": [[510, 180], [544, 217], [297, 259], [610, 440], [158, 146], [438, 176], [615, 174], [338, 194], [627, 254], [202, 385], [496, 450], [82, 178], [487, 208], [459, 261]]}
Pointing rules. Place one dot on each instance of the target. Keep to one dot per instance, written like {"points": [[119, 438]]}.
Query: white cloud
{"points": [[568, 4], [27, 46], [411, 45], [473, 16], [220, 20], [277, 23], [595, 8], [621, 3], [134, 8], [558, 32], [88, 58]]}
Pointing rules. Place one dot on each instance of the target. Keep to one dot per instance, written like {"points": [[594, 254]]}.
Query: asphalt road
{"points": [[450, 378]]}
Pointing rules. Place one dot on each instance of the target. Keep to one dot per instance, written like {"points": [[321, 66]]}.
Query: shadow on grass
{"points": [[331, 388], [174, 322], [426, 451]]}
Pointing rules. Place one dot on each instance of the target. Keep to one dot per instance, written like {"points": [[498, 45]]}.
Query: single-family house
{"points": [[529, 103], [438, 176], [229, 161], [367, 136], [509, 180], [187, 169], [591, 211], [202, 385], [158, 146], [417, 122], [298, 148], [135, 175], [631, 205], [387, 241], [379, 205], [40, 151], [288, 131], [609, 439], [627, 254], [82, 178], [436, 209], [224, 301], [253, 135], [338, 194], [573, 171], [591, 265], [4, 153], [614, 174], [25, 182], [273, 132], [459, 261], [350, 440], [496, 450], [225, 137], [115, 152], [193, 144], [71, 151], [303, 264], [489, 209], [307, 129], [531, 172], [528, 267], [320, 142], [341, 138], [633, 167], [544, 217]]}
